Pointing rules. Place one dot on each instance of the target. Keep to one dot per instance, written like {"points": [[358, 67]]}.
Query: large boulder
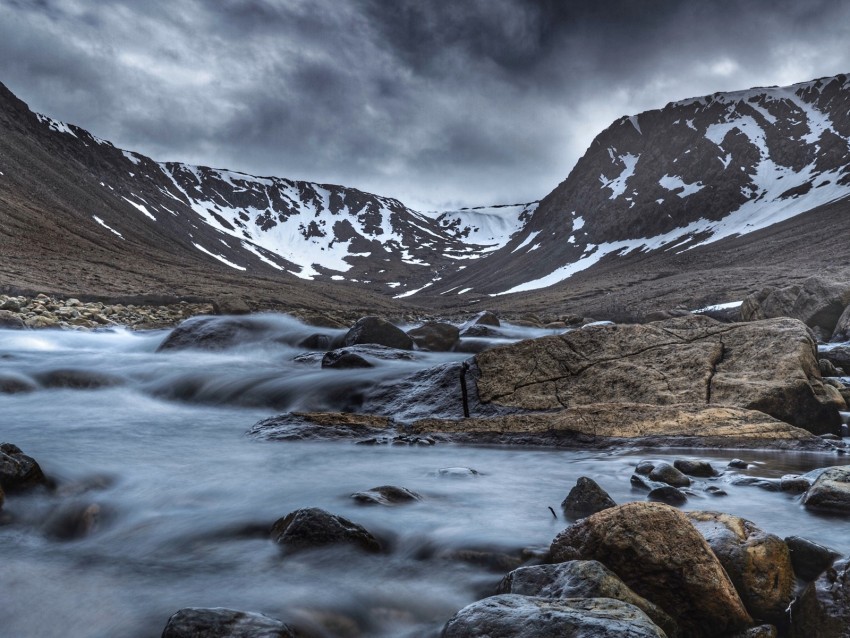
{"points": [[823, 610], [18, 471], [311, 528], [830, 492], [230, 305], [657, 552], [436, 336], [818, 302], [810, 559], [210, 333], [768, 365], [758, 563], [194, 622], [580, 579], [586, 498], [513, 616], [378, 331]]}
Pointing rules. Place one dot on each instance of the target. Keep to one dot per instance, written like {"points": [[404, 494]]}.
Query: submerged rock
{"points": [[18, 471], [378, 331], [72, 521], [586, 498], [12, 383], [386, 495], [77, 379], [194, 622], [657, 552], [512, 616], [668, 494], [691, 467], [300, 426], [210, 333], [312, 528], [343, 360], [435, 336], [830, 491], [668, 474]]}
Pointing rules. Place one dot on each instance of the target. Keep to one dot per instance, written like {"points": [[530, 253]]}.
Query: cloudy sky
{"points": [[441, 103]]}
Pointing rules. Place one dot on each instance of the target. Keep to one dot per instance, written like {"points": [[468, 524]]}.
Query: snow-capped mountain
{"points": [[675, 179]]}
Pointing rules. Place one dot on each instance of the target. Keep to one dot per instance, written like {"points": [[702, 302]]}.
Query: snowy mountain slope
{"points": [[688, 175]]}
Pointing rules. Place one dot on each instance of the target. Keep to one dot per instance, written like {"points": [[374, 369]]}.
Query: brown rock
{"points": [[758, 563], [831, 491], [10, 321], [435, 336], [312, 528], [657, 552], [823, 610]]}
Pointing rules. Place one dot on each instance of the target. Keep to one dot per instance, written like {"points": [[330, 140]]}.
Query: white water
{"points": [[179, 483]]}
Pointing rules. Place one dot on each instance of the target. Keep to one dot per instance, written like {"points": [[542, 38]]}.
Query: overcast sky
{"points": [[439, 103]]}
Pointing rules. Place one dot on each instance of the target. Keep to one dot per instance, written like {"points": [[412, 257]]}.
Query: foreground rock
{"points": [[512, 616], [18, 471], [758, 563], [823, 609], [830, 491], [770, 366], [580, 579], [312, 528], [218, 622], [657, 552], [586, 498]]}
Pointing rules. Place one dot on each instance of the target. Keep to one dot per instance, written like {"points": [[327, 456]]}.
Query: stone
{"points": [[828, 369], [316, 341], [77, 379], [666, 473], [657, 552], [194, 622], [513, 616], [386, 495], [18, 471], [586, 498], [818, 302], [762, 631], [810, 559], [41, 321], [298, 426], [311, 528], [342, 359], [10, 321], [580, 579], [374, 330], [842, 327], [691, 467], [11, 305], [457, 472], [738, 464], [435, 336], [770, 366], [830, 492], [479, 330], [485, 318], [209, 333], [668, 494], [72, 521], [758, 563], [12, 383], [230, 305], [823, 609]]}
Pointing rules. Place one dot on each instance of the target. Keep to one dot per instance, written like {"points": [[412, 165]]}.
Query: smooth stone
{"points": [[586, 498], [668, 494], [311, 528], [810, 559], [690, 467], [386, 495]]}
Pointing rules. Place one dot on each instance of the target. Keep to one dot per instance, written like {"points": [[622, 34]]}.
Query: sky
{"points": [[439, 103]]}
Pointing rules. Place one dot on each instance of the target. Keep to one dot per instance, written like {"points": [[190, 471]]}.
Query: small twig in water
{"points": [[553, 512]]}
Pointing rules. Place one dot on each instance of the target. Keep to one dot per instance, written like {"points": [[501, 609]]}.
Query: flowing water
{"points": [[186, 499]]}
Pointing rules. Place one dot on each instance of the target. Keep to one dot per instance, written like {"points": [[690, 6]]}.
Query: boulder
{"points": [[10, 321], [312, 528], [386, 495], [692, 467], [828, 369], [809, 559], [218, 622], [580, 579], [298, 426], [818, 302], [823, 609], [586, 498], [342, 359], [666, 473], [316, 341], [77, 379], [230, 305], [485, 318], [209, 333], [668, 494], [435, 336], [758, 563], [512, 616], [377, 331], [657, 552], [18, 471], [770, 366], [830, 492], [13, 383]]}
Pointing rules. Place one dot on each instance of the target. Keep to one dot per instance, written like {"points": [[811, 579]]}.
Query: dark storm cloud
{"points": [[472, 102]]}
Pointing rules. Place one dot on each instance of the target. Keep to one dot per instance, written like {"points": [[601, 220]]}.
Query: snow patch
{"points": [[103, 223], [139, 207], [673, 182], [219, 257], [618, 184]]}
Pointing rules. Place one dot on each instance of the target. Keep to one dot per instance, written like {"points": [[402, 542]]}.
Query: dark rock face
{"points": [[586, 498], [194, 622], [343, 360], [313, 528], [657, 552], [758, 563], [830, 492], [809, 559], [73, 521], [317, 341], [209, 333], [435, 336], [15, 383], [77, 379], [668, 494], [666, 473], [512, 616], [386, 495], [823, 610], [580, 579], [298, 426], [690, 467], [842, 327], [18, 471], [377, 331]]}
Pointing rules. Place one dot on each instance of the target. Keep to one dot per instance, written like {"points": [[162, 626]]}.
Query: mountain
{"points": [[682, 181], [259, 226]]}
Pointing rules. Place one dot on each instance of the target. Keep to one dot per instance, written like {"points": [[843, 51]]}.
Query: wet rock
{"points": [[73, 521], [842, 328], [11, 383], [644, 468], [580, 579], [668, 494], [10, 321], [828, 369], [18, 471], [509, 616], [77, 379], [642, 482], [299, 426], [666, 473], [713, 490], [769, 485], [457, 472], [2, 499], [823, 610], [311, 528], [344, 360], [762, 631], [230, 305], [485, 318], [738, 464], [809, 559], [474, 346], [479, 330], [374, 330], [194, 622], [758, 563], [657, 552], [691, 467], [830, 491], [386, 495], [768, 365], [435, 336], [317, 341], [494, 561], [586, 498], [210, 333], [794, 484]]}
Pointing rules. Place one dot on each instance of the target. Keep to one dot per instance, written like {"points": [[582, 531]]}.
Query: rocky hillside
{"points": [[680, 178]]}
